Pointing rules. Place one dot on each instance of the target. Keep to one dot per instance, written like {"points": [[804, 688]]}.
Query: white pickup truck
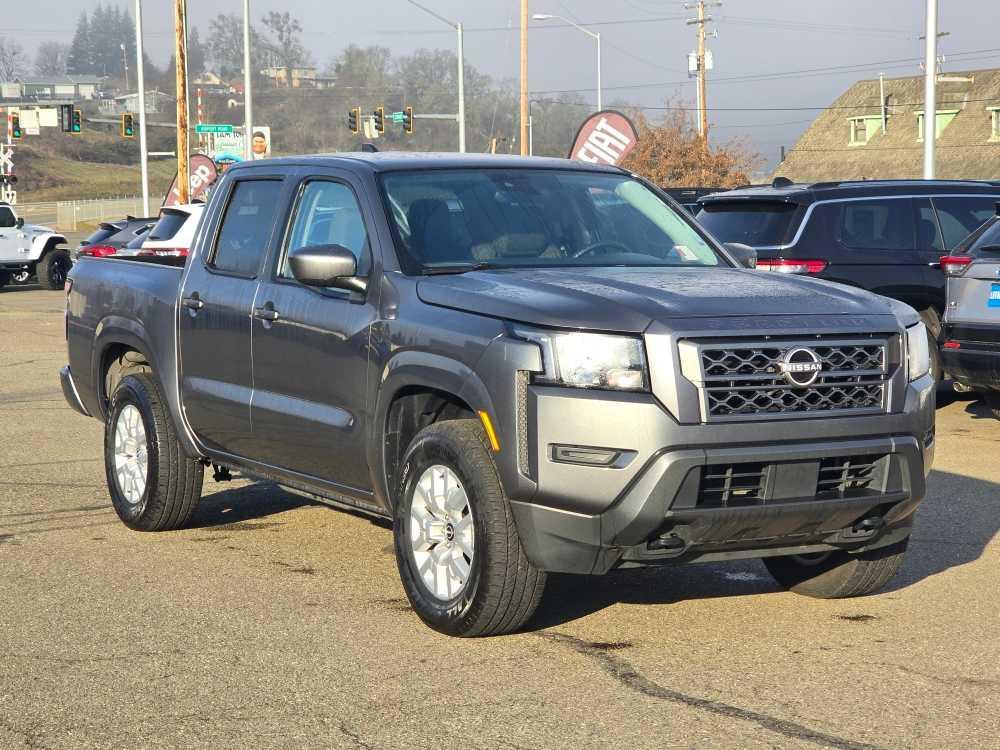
{"points": [[28, 250]]}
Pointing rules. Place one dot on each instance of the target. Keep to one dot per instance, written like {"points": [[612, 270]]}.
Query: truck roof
{"points": [[392, 161], [786, 191]]}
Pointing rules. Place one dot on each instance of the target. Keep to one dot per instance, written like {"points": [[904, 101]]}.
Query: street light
{"points": [[593, 34], [461, 70]]}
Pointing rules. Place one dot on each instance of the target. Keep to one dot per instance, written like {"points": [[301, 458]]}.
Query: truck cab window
{"points": [[7, 219], [246, 227], [327, 213]]}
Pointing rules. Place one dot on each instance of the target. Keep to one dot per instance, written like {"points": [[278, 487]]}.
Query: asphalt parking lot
{"points": [[277, 622]]}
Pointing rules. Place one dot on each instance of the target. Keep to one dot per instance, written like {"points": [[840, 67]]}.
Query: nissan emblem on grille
{"points": [[800, 367]]}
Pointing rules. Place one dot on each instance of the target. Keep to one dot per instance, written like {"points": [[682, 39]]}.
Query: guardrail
{"points": [[70, 216]]}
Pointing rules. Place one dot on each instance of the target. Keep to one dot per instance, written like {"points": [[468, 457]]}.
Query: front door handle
{"points": [[266, 313], [192, 302]]}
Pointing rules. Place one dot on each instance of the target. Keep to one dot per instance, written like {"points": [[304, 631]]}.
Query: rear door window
{"points": [[928, 231], [246, 227], [990, 237], [960, 216], [169, 224], [757, 223], [876, 224]]}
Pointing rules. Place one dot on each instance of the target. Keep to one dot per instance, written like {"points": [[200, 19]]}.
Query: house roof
{"points": [[965, 149], [60, 81]]}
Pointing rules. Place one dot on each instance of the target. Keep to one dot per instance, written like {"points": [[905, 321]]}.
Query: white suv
{"points": [[174, 231], [29, 250]]}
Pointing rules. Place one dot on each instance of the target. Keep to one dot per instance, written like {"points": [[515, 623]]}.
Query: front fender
{"points": [[409, 369], [42, 243]]}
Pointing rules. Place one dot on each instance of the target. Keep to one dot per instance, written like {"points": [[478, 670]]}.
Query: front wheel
{"points": [[460, 559], [838, 574], [154, 485], [53, 269]]}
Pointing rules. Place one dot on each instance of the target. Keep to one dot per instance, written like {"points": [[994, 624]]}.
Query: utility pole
{"points": [[141, 99], [247, 84], [700, 22], [524, 78], [180, 54], [930, 89], [881, 98]]}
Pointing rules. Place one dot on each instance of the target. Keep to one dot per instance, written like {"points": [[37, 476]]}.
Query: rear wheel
{"points": [[53, 269], [459, 555], [993, 401], [154, 486], [838, 574]]}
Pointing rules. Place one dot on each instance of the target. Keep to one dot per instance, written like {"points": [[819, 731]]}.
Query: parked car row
{"points": [[168, 235], [894, 238]]}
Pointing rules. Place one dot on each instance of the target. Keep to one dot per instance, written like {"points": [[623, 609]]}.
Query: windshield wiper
{"points": [[459, 268]]}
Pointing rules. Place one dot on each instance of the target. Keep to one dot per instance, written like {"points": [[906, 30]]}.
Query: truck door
{"points": [[214, 317], [310, 345]]}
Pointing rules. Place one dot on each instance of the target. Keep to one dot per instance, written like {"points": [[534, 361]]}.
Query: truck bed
{"points": [[133, 298]]}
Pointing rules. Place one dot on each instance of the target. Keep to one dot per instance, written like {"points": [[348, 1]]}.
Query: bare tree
{"points": [[12, 59], [50, 60]]}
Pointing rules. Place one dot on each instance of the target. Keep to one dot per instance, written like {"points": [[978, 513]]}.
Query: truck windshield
{"points": [[757, 223], [447, 221]]}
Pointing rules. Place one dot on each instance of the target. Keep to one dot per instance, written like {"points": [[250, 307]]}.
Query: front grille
{"points": [[753, 380], [846, 475]]}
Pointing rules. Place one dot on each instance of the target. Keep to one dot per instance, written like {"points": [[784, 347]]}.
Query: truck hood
{"points": [[36, 229], [629, 299]]}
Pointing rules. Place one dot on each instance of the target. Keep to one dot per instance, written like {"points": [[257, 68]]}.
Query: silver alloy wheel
{"points": [[131, 457], [442, 532]]}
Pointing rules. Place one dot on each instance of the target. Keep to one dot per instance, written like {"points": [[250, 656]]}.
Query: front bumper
{"points": [[70, 393], [649, 507]]}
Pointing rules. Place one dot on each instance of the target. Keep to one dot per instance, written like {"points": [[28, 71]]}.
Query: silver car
{"points": [[971, 348]]}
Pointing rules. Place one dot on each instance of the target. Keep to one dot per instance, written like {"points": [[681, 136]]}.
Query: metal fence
{"points": [[70, 216]]}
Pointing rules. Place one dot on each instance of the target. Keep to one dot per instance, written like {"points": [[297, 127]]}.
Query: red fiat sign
{"points": [[606, 137]]}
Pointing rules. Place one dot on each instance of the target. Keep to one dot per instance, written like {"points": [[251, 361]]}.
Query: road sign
{"points": [[216, 128]]}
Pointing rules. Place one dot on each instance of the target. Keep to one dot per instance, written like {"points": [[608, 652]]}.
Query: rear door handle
{"points": [[192, 303], [266, 313]]}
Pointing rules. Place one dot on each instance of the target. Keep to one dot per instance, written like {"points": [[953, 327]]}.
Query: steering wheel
{"points": [[609, 244]]}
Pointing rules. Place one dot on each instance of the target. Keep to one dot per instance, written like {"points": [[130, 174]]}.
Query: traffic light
{"points": [[408, 120], [379, 120], [76, 122], [65, 117], [128, 126], [354, 119], [15, 126]]}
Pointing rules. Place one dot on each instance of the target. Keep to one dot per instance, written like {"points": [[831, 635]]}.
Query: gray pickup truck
{"points": [[528, 365]]}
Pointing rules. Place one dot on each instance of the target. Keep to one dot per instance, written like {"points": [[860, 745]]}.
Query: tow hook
{"points": [[868, 526], [669, 543]]}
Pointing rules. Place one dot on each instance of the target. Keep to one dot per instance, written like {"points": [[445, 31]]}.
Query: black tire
{"points": [[53, 268], [993, 401], [503, 588], [838, 575], [173, 479]]}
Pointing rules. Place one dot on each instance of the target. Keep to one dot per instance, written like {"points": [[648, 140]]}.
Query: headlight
{"points": [[918, 353], [589, 360]]}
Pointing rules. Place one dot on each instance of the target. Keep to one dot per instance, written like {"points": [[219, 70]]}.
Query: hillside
{"points": [[57, 166]]}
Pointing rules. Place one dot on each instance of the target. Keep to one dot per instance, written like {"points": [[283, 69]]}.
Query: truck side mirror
{"points": [[19, 223], [745, 255], [326, 266]]}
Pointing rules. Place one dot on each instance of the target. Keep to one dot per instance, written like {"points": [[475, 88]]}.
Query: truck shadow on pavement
{"points": [[252, 502], [954, 525]]}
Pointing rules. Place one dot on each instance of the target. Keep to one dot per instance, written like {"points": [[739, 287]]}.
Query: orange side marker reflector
{"points": [[490, 432]]}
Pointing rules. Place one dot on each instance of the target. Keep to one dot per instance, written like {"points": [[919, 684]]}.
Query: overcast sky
{"points": [[645, 43]]}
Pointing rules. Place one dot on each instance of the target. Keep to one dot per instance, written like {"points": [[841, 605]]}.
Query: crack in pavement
{"points": [[355, 738], [623, 672], [31, 738]]}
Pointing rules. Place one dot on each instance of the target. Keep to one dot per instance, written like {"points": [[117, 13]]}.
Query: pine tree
{"points": [[80, 59]]}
